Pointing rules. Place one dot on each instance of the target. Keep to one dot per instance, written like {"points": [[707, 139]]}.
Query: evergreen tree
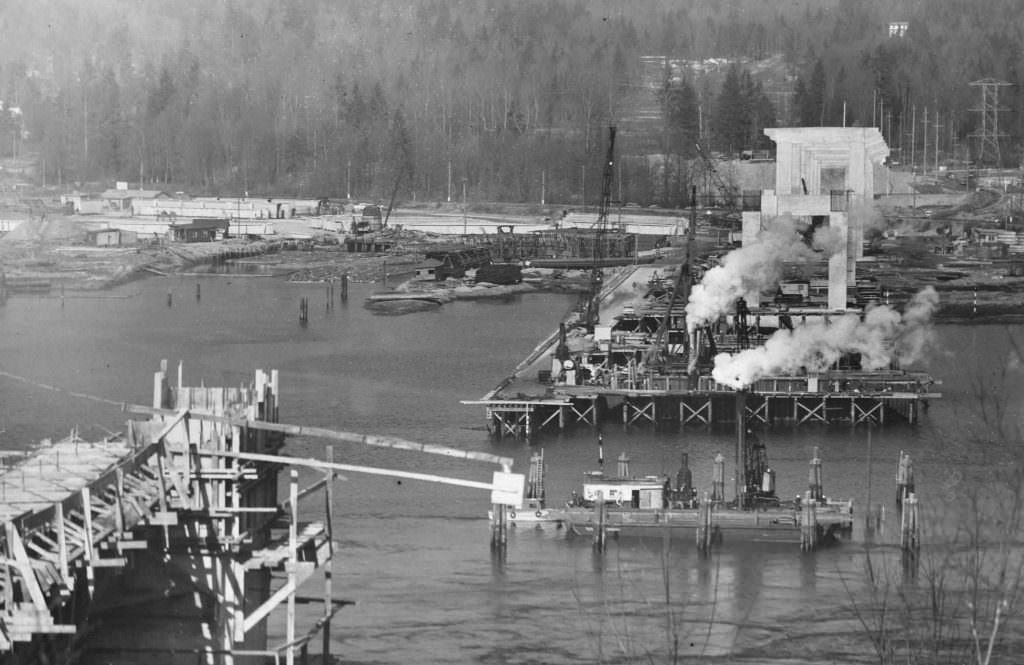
{"points": [[731, 113], [109, 145], [811, 103]]}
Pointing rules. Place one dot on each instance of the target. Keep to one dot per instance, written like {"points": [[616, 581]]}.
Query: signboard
{"points": [[508, 489]]}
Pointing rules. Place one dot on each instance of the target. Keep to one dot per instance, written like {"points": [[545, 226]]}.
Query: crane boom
{"points": [[727, 190], [606, 183], [601, 226], [680, 291]]}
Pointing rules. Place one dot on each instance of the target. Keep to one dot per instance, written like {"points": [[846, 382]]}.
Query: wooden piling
{"points": [[876, 520], [808, 523], [499, 527], [869, 526], [600, 527], [814, 478], [909, 524], [170, 298], [904, 478], [718, 479], [704, 524], [910, 535], [199, 291], [344, 287]]}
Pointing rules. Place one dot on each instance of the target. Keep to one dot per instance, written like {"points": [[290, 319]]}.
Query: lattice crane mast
{"points": [[728, 190], [680, 291], [600, 228]]}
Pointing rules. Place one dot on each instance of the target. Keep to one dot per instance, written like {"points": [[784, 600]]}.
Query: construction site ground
{"points": [[911, 254]]}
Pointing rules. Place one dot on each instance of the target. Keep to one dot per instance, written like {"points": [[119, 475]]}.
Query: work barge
{"points": [[635, 368]]}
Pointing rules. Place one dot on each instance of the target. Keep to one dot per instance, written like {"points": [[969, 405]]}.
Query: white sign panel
{"points": [[508, 489]]}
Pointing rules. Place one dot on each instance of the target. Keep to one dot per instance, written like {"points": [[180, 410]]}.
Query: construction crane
{"points": [[727, 190], [656, 356], [600, 228]]}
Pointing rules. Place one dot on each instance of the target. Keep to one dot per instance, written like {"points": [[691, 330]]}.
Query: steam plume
{"points": [[883, 336], [757, 265]]}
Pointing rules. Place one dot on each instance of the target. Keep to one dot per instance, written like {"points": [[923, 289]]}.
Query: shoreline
{"points": [[983, 296]]}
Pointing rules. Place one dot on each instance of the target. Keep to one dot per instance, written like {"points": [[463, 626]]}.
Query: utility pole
{"points": [[937, 139], [881, 120], [464, 207], [913, 137], [924, 154], [583, 186]]}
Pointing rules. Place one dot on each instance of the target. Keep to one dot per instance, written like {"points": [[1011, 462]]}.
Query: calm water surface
{"points": [[415, 557]]}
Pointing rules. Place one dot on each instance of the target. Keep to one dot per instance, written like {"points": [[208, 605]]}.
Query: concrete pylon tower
{"points": [[823, 172]]}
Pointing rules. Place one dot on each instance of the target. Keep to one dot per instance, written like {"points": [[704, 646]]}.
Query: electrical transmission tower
{"points": [[988, 135]]}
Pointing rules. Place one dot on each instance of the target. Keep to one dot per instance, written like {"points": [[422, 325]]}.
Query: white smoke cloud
{"points": [[884, 335], [757, 265], [868, 216]]}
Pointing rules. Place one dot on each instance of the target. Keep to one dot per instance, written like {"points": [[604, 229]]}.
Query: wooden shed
{"points": [[200, 230], [427, 270], [104, 237]]}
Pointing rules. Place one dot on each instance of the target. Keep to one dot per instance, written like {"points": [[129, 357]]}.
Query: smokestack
{"points": [[623, 465]]}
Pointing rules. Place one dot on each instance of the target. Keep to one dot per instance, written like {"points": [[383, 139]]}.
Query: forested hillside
{"points": [[509, 99]]}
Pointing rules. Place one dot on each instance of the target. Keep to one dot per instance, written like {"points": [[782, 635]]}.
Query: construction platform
{"points": [[169, 543], [623, 390], [159, 543]]}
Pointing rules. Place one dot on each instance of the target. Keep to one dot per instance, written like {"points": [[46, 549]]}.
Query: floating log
{"points": [[391, 297]]}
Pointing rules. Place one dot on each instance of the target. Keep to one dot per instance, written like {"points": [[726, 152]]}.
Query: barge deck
{"points": [[534, 399]]}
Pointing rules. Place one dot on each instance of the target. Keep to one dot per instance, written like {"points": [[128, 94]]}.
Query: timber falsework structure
{"points": [[168, 543]]}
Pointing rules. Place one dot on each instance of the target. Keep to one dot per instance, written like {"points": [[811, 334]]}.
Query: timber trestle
{"points": [[524, 418], [167, 520], [527, 417]]}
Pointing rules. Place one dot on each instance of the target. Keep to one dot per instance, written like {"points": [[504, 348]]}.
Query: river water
{"points": [[415, 557]]}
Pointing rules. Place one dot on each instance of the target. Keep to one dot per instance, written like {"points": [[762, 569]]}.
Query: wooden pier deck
{"points": [[163, 543], [84, 521], [531, 400]]}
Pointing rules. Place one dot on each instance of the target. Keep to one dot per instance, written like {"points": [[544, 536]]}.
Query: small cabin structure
{"points": [[427, 270], [109, 237], [201, 229]]}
